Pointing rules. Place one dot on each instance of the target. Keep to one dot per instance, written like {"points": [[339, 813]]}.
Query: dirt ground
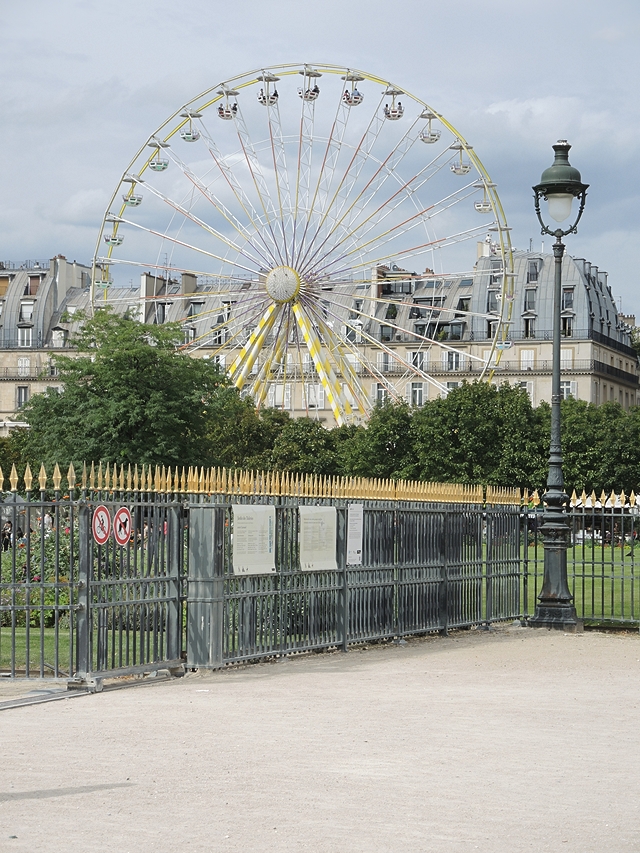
{"points": [[512, 740]]}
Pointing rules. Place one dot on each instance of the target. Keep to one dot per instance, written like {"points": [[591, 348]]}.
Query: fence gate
{"points": [[129, 603]]}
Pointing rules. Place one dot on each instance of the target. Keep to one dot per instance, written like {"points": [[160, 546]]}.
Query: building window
{"points": [[392, 312], [381, 393], [452, 385], [455, 332], [386, 362], [496, 272], [314, 395], [189, 334], [32, 286], [386, 334], [53, 369], [354, 314], [22, 395], [26, 311], [533, 271], [453, 361], [528, 387], [529, 330], [568, 389], [279, 396], [417, 360], [530, 300], [25, 335], [417, 392], [195, 308], [527, 359], [567, 298], [492, 301], [58, 338], [463, 303], [567, 327], [492, 328], [24, 366], [566, 359]]}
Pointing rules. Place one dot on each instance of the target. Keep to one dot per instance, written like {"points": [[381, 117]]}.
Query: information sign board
{"points": [[355, 528], [253, 544], [317, 538]]}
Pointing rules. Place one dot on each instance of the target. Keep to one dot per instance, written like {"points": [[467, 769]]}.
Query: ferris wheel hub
{"points": [[283, 284]]}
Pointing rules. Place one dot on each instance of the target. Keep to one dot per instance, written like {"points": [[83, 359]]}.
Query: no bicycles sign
{"points": [[101, 524]]}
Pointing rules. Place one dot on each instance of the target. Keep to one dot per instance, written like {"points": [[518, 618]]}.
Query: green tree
{"points": [[304, 446], [130, 396], [382, 448], [478, 433]]}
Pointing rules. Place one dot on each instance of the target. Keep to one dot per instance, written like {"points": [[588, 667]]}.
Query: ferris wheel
{"points": [[305, 223]]}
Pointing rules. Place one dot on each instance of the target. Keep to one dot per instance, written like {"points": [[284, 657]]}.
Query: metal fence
{"points": [[425, 567], [69, 607], [603, 561], [79, 606]]}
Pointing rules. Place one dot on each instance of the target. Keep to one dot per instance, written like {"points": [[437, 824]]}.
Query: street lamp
{"points": [[559, 185]]}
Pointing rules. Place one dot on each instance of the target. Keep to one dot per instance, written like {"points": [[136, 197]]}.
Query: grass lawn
{"points": [[39, 639], [605, 581]]}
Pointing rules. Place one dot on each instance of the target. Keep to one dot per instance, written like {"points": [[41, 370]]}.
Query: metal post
{"points": [[205, 603], [555, 608], [81, 678], [343, 595], [174, 608]]}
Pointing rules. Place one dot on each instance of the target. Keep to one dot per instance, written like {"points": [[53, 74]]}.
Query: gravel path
{"points": [[512, 740]]}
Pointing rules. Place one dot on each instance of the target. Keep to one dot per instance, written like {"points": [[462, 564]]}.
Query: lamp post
{"points": [[559, 185]]}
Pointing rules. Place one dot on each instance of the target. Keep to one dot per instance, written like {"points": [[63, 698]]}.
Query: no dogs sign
{"points": [[122, 526]]}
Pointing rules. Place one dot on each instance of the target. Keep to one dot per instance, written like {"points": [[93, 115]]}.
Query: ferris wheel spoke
{"points": [[303, 171], [414, 251], [336, 350], [252, 316], [395, 355], [253, 217], [375, 372], [366, 195], [399, 229], [263, 377], [403, 193], [259, 182], [327, 169], [217, 205], [349, 178], [337, 401], [245, 359], [170, 268], [175, 241], [388, 167], [179, 208], [280, 172]]}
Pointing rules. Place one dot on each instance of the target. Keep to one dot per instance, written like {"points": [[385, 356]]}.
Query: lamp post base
{"points": [[560, 617]]}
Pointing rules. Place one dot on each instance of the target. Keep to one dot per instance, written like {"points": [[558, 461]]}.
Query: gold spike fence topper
{"points": [[220, 481]]}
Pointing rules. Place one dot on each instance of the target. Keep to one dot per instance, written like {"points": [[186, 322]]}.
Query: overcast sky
{"points": [[84, 83]]}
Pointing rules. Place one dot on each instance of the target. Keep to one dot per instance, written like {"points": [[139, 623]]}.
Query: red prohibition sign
{"points": [[122, 526], [101, 524]]}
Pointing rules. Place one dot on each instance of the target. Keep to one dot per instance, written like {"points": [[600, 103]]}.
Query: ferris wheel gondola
{"points": [[314, 254]]}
